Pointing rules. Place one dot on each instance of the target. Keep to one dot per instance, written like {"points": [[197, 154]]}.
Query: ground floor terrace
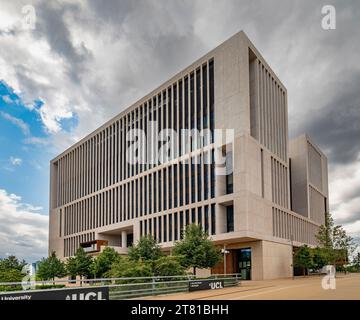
{"points": [[250, 257]]}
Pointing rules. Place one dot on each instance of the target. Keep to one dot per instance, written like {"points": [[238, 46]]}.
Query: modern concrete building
{"points": [[275, 195]]}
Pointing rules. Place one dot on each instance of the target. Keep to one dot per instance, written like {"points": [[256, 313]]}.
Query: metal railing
{"points": [[129, 287]]}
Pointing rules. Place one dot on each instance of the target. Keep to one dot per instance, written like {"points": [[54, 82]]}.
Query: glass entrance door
{"points": [[244, 263]]}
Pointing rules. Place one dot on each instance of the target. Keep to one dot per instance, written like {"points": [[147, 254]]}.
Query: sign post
{"points": [[197, 285]]}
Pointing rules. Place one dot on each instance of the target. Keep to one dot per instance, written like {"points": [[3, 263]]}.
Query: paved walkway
{"points": [[309, 288]]}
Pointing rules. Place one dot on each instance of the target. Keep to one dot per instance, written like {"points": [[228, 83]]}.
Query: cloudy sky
{"points": [[85, 61]]}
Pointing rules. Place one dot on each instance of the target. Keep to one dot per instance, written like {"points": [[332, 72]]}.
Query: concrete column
{"points": [[124, 239]]}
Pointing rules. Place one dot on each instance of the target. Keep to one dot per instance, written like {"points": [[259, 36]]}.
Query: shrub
{"points": [[168, 266]]}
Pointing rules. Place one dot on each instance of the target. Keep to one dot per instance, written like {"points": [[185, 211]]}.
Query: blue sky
{"points": [[25, 151], [24, 166]]}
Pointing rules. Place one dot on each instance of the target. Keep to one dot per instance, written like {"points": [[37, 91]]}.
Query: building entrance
{"points": [[244, 263]]}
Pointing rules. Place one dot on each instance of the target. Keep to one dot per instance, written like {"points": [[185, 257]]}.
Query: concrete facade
{"points": [[97, 196]]}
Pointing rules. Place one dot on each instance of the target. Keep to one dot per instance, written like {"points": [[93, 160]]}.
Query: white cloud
{"points": [[17, 122], [7, 99], [23, 230], [15, 161]]}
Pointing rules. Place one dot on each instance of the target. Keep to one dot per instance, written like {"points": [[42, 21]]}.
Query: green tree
{"points": [[11, 275], [319, 257], [196, 250], [324, 235], [303, 258], [168, 266], [11, 270], [79, 265], [51, 268], [146, 249], [125, 267], [356, 262], [336, 245], [343, 245], [11, 263], [103, 262]]}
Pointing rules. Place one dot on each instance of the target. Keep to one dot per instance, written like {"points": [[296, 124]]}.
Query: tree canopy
{"points": [[80, 264], [303, 258], [196, 250], [146, 249], [333, 240], [11, 263], [103, 262], [51, 268]]}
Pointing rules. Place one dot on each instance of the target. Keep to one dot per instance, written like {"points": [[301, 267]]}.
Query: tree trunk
{"points": [[194, 271]]}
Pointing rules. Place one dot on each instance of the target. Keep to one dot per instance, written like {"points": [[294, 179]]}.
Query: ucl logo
{"points": [[86, 296]]}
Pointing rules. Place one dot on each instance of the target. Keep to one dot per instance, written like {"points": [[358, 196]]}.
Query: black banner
{"points": [[94, 293], [206, 285]]}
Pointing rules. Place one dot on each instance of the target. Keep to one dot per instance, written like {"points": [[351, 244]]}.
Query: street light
{"points": [[225, 252]]}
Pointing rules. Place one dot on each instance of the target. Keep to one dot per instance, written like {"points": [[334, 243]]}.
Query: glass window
{"points": [[165, 228], [137, 198], [170, 227], [230, 218], [155, 192], [212, 174], [213, 219], [150, 195], [181, 184], [206, 219], [187, 217], [198, 100], [175, 186], [170, 187], [160, 230], [159, 191], [192, 181], [145, 196], [155, 230], [164, 189], [200, 216], [212, 99], [176, 226], [229, 176], [206, 181], [180, 115], [192, 101], [186, 183], [141, 196], [170, 112], [199, 176], [181, 224]]}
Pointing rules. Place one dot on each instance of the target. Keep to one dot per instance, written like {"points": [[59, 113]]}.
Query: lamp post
{"points": [[224, 252]]}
